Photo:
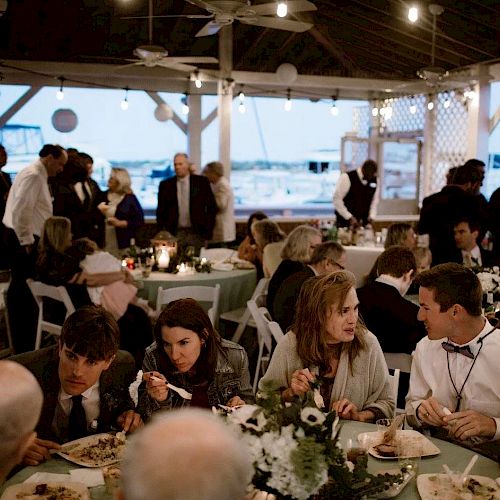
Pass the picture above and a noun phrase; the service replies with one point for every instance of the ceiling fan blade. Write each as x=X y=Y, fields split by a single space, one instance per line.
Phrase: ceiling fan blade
x=269 y=9
x=193 y=59
x=277 y=23
x=188 y=16
x=210 y=28
x=204 y=5
x=123 y=66
x=166 y=63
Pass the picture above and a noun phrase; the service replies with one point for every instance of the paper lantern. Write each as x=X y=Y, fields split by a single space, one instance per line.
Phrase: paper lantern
x=163 y=112
x=64 y=120
x=286 y=73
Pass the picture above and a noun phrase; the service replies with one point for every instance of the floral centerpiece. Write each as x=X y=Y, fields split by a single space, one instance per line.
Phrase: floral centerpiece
x=490 y=283
x=296 y=452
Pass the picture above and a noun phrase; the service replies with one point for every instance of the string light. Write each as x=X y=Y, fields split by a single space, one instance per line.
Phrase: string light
x=60 y=92
x=447 y=101
x=185 y=103
x=197 y=82
x=413 y=14
x=413 y=106
x=334 y=110
x=288 y=102
x=375 y=110
x=241 y=97
x=388 y=111
x=282 y=9
x=430 y=104
x=124 y=103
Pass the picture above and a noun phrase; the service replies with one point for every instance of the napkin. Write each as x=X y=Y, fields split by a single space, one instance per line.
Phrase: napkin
x=89 y=477
x=48 y=477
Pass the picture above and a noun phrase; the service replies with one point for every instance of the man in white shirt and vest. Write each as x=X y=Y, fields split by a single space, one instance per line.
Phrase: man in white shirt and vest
x=354 y=198
x=454 y=381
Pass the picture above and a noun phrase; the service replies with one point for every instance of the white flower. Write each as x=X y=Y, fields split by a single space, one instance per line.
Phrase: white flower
x=489 y=282
x=249 y=416
x=312 y=416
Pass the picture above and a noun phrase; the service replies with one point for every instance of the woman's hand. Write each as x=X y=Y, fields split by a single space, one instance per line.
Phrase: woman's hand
x=235 y=401
x=103 y=207
x=156 y=385
x=345 y=409
x=113 y=221
x=299 y=384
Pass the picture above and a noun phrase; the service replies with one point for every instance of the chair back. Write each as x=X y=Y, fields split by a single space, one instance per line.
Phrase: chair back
x=210 y=294
x=399 y=360
x=217 y=254
x=259 y=295
x=394 y=380
x=59 y=293
x=267 y=330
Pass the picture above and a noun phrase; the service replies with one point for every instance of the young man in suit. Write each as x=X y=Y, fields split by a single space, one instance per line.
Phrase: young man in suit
x=469 y=253
x=186 y=206
x=85 y=382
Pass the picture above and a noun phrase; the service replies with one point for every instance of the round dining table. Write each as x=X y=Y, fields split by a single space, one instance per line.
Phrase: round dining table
x=236 y=286
x=456 y=457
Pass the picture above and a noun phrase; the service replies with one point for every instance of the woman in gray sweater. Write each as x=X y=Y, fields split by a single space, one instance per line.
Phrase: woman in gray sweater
x=328 y=341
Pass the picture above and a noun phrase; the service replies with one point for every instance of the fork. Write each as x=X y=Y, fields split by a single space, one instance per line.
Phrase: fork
x=182 y=392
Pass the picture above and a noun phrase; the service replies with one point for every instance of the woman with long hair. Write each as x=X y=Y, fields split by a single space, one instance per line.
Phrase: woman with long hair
x=328 y=342
x=190 y=354
x=123 y=212
x=269 y=240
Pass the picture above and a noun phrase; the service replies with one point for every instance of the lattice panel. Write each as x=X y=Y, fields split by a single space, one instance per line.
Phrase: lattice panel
x=402 y=118
x=361 y=121
x=450 y=137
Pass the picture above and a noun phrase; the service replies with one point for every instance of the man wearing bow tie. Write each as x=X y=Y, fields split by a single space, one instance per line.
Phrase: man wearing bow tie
x=454 y=381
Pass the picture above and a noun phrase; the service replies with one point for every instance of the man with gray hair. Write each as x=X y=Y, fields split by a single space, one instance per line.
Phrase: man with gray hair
x=187 y=454
x=21 y=401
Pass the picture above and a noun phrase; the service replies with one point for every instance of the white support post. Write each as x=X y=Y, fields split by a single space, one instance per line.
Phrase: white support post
x=479 y=119
x=194 y=130
x=225 y=94
x=428 y=156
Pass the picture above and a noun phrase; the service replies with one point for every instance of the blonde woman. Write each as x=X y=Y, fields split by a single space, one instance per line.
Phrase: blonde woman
x=328 y=341
x=295 y=254
x=269 y=240
x=123 y=212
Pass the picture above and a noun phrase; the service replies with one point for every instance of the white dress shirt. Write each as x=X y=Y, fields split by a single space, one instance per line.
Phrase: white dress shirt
x=475 y=253
x=225 y=227
x=29 y=203
x=430 y=377
x=341 y=190
x=90 y=403
x=183 y=195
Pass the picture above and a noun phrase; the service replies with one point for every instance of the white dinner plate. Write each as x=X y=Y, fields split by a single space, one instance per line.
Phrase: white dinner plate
x=77 y=491
x=433 y=486
x=71 y=451
x=412 y=440
x=397 y=488
x=222 y=266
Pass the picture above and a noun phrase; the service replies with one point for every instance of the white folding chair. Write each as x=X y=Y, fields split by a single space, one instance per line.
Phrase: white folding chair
x=394 y=380
x=217 y=254
x=4 y=286
x=398 y=361
x=267 y=330
x=210 y=294
x=242 y=315
x=59 y=293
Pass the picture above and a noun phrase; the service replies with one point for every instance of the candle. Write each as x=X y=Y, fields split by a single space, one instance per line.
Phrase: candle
x=163 y=259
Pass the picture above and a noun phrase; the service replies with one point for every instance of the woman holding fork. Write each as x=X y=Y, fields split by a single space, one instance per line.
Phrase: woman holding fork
x=189 y=354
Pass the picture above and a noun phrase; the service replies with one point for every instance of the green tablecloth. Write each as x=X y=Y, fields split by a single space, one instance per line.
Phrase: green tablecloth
x=236 y=287
x=455 y=456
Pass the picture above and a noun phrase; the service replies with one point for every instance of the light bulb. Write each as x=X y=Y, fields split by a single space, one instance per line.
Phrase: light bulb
x=430 y=105
x=241 y=108
x=185 y=109
x=413 y=109
x=447 y=103
x=413 y=14
x=124 y=105
x=59 y=95
x=375 y=111
x=382 y=111
x=334 y=110
x=388 y=113
x=288 y=105
x=198 y=83
x=241 y=96
x=282 y=9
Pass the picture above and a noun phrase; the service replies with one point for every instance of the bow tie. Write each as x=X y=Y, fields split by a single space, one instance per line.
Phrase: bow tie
x=465 y=350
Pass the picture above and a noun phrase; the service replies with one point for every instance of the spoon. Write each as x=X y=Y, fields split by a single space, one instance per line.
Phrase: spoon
x=182 y=392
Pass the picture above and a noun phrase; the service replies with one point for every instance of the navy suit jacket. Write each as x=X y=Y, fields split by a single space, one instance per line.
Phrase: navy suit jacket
x=128 y=209
x=202 y=206
x=113 y=388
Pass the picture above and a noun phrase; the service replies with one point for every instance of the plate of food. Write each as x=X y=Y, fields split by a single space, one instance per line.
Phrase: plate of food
x=442 y=486
x=97 y=450
x=404 y=444
x=396 y=488
x=48 y=491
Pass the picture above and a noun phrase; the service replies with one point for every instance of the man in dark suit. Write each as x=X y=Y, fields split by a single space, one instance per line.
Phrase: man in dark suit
x=385 y=311
x=469 y=253
x=440 y=211
x=85 y=382
x=186 y=205
x=326 y=258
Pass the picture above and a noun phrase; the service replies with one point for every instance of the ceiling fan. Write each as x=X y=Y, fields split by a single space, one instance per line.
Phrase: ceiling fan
x=151 y=55
x=224 y=12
